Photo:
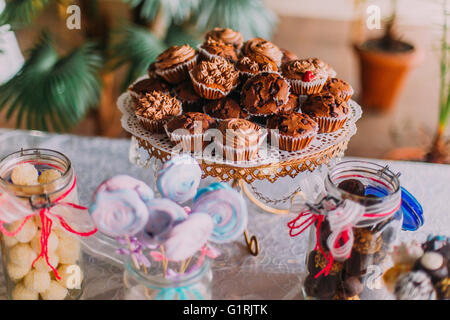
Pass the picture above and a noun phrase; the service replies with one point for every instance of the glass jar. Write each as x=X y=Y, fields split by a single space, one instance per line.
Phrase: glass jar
x=358 y=275
x=27 y=276
x=152 y=285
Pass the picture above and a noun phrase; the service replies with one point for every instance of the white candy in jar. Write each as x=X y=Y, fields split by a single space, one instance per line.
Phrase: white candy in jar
x=20 y=292
x=68 y=249
x=9 y=241
x=25 y=174
x=48 y=176
x=37 y=281
x=54 y=292
x=28 y=231
x=22 y=255
x=41 y=263
x=52 y=243
x=16 y=272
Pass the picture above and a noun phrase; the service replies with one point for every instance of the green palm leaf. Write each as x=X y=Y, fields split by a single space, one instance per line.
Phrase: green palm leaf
x=175 y=11
x=52 y=91
x=178 y=35
x=19 y=13
x=250 y=17
x=135 y=47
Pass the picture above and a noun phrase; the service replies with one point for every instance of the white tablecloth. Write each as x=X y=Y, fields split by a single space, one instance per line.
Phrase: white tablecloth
x=275 y=273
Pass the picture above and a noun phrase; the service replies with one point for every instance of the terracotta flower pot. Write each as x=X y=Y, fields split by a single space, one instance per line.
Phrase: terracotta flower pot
x=383 y=74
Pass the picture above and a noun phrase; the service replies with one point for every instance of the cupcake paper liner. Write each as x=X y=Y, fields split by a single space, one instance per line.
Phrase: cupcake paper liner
x=178 y=73
x=207 y=92
x=154 y=126
x=307 y=88
x=290 y=144
x=233 y=154
x=347 y=96
x=207 y=55
x=240 y=154
x=188 y=141
x=327 y=125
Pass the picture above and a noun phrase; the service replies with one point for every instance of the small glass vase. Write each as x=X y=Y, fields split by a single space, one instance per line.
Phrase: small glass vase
x=152 y=285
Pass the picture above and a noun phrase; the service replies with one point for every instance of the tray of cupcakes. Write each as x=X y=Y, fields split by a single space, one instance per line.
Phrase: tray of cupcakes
x=240 y=103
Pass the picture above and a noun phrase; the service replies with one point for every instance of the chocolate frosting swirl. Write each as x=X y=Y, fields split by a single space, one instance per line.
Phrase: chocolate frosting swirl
x=217 y=73
x=174 y=56
x=295 y=69
x=262 y=51
x=220 y=48
x=245 y=64
x=157 y=106
x=239 y=133
x=226 y=35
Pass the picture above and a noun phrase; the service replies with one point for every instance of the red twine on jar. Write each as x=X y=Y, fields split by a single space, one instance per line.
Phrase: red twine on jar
x=45 y=214
x=341 y=219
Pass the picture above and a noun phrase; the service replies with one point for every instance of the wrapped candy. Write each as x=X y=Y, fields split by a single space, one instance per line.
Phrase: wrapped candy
x=420 y=272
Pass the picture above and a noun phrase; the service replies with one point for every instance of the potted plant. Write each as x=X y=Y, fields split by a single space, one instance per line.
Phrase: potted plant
x=436 y=149
x=384 y=65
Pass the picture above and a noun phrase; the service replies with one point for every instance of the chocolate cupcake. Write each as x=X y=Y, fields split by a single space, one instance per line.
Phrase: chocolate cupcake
x=155 y=109
x=225 y=108
x=293 y=131
x=306 y=76
x=265 y=94
x=142 y=87
x=287 y=56
x=263 y=52
x=174 y=63
x=338 y=88
x=189 y=130
x=293 y=104
x=226 y=35
x=248 y=68
x=190 y=100
x=329 y=69
x=241 y=139
x=211 y=49
x=329 y=112
x=214 y=79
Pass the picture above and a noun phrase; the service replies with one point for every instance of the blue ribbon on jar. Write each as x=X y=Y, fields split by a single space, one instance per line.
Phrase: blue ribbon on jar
x=182 y=292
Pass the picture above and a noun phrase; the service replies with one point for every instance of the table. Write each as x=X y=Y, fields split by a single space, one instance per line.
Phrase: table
x=276 y=272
